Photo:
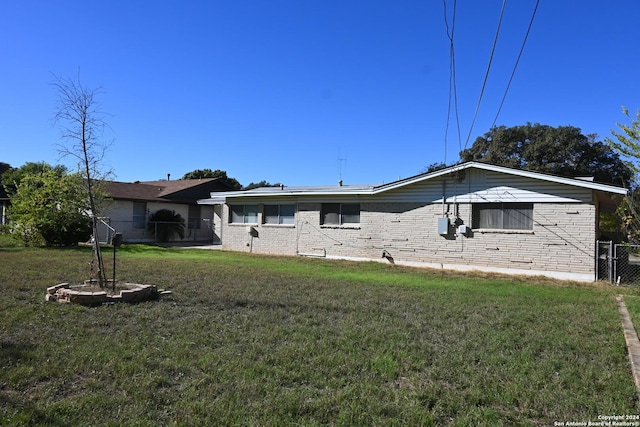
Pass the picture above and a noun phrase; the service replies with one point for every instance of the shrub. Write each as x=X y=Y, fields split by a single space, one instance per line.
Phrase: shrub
x=165 y=223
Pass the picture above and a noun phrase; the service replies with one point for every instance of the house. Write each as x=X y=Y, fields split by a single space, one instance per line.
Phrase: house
x=132 y=203
x=472 y=216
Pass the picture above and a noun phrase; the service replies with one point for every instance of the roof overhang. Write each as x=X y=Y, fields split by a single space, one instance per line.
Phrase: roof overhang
x=368 y=190
x=582 y=183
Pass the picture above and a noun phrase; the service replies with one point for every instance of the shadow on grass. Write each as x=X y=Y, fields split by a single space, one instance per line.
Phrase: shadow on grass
x=12 y=353
x=143 y=249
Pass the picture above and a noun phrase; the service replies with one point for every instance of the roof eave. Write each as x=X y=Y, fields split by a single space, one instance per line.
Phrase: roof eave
x=222 y=197
x=502 y=169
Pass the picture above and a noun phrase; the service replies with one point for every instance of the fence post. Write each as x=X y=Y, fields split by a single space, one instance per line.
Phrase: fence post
x=611 y=262
x=597 y=260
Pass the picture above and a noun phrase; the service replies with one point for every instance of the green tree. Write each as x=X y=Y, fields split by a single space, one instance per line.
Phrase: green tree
x=208 y=173
x=628 y=214
x=626 y=141
x=166 y=223
x=4 y=167
x=50 y=207
x=436 y=166
x=11 y=178
x=562 y=151
x=260 y=184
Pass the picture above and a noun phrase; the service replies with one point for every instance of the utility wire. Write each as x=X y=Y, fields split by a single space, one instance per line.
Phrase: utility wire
x=486 y=76
x=453 y=88
x=516 y=64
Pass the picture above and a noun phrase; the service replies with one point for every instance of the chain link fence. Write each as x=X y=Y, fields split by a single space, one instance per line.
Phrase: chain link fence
x=618 y=263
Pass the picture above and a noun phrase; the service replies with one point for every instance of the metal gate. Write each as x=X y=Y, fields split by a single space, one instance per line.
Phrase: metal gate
x=618 y=263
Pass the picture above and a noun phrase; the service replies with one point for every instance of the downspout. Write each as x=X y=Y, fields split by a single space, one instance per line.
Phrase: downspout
x=298 y=226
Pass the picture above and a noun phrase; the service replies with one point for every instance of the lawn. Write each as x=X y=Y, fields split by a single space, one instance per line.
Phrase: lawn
x=271 y=341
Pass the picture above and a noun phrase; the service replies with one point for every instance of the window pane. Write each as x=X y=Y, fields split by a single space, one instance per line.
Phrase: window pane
x=251 y=214
x=330 y=213
x=271 y=214
x=194 y=218
x=490 y=216
x=518 y=216
x=351 y=213
x=237 y=213
x=287 y=214
x=139 y=215
x=503 y=216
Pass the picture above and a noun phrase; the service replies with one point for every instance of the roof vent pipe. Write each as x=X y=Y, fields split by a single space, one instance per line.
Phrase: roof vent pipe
x=168 y=177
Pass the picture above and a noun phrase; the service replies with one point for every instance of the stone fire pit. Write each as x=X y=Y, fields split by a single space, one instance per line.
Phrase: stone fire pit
x=134 y=293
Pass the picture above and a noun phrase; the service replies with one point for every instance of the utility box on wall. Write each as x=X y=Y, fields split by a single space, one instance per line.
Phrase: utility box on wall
x=443 y=226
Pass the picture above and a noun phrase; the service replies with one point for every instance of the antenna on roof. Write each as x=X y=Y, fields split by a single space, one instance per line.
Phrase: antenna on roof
x=340 y=168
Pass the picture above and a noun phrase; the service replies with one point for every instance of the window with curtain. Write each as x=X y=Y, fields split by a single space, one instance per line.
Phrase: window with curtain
x=279 y=214
x=340 y=213
x=503 y=216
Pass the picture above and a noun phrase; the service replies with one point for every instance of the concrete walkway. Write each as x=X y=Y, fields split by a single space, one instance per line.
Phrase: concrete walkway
x=633 y=344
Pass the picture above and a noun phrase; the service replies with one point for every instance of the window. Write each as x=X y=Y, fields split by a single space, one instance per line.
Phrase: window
x=279 y=214
x=139 y=215
x=244 y=214
x=503 y=216
x=340 y=213
x=194 y=218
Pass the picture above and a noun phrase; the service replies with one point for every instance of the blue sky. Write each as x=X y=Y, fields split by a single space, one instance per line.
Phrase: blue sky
x=305 y=92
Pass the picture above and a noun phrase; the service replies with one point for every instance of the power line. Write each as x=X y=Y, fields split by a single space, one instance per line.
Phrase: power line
x=516 y=64
x=486 y=76
x=453 y=89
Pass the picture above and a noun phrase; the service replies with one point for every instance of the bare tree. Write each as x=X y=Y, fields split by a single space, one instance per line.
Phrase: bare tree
x=82 y=125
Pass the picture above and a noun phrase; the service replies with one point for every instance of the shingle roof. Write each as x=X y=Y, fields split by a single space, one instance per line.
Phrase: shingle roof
x=181 y=191
x=132 y=191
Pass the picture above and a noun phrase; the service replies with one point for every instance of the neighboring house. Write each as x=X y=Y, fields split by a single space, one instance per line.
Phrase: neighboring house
x=132 y=203
x=472 y=216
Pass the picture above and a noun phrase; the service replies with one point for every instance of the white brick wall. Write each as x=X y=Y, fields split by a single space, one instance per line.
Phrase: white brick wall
x=562 y=240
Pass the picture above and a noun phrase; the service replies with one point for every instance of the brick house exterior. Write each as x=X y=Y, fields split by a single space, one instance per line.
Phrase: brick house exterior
x=472 y=216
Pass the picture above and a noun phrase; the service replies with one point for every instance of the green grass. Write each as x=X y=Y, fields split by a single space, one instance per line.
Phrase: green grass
x=272 y=341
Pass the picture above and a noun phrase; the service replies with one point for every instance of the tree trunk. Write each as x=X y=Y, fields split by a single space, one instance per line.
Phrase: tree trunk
x=101 y=276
